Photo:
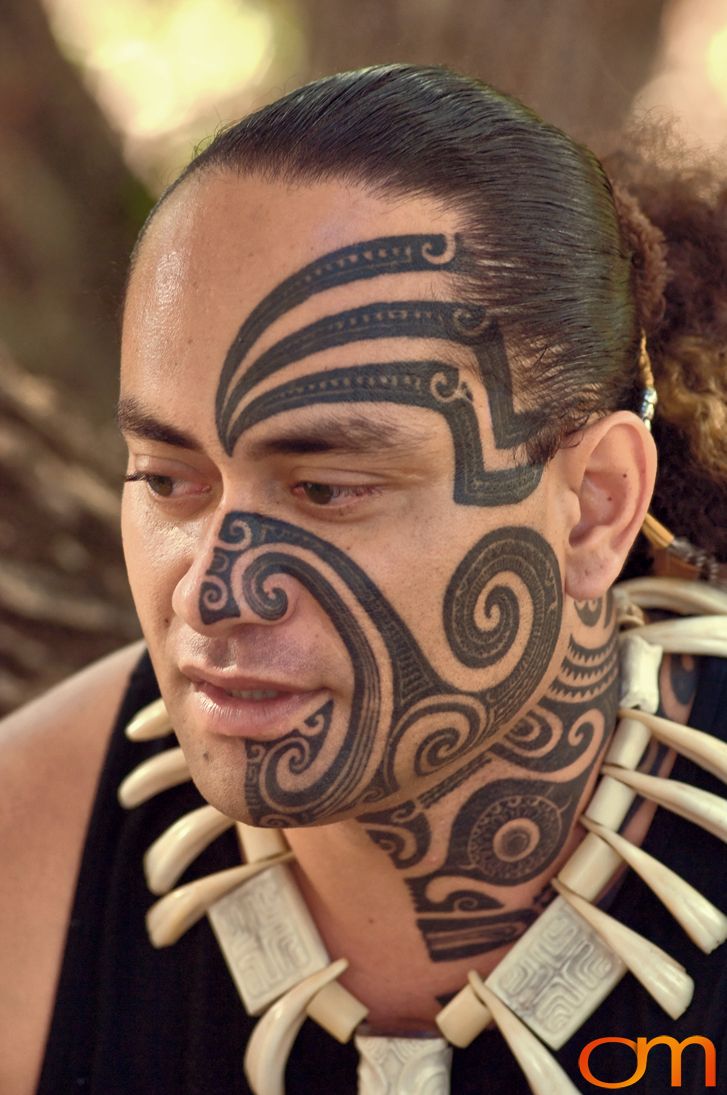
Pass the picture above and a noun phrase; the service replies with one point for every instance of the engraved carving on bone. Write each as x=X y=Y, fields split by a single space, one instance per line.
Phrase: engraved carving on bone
x=267 y=937
x=557 y=974
x=403 y=1066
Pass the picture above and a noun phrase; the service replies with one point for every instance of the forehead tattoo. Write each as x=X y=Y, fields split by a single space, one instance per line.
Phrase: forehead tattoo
x=430 y=384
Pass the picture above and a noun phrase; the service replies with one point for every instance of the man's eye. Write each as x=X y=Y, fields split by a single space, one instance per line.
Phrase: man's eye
x=323 y=494
x=163 y=486
x=318 y=493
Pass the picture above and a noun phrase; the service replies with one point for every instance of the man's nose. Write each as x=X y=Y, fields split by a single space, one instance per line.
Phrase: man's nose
x=223 y=589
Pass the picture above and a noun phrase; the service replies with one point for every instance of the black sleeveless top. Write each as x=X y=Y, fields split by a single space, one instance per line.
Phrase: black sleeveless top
x=130 y=1020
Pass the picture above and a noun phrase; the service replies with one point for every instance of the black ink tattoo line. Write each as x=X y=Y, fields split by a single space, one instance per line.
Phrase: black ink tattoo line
x=430 y=384
x=510 y=830
x=506 y=831
x=453 y=322
x=426 y=384
x=357 y=262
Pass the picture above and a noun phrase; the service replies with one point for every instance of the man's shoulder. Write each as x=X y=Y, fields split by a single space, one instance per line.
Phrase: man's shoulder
x=63 y=732
x=51 y=753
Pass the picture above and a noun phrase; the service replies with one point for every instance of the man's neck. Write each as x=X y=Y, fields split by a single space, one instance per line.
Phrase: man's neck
x=416 y=895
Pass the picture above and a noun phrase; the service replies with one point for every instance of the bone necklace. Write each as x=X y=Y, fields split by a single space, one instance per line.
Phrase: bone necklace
x=283 y=972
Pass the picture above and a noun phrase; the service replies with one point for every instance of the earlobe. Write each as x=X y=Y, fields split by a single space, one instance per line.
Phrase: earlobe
x=611 y=470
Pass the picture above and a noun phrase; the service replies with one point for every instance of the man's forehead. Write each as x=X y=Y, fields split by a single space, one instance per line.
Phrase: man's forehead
x=222 y=244
x=261 y=332
x=258 y=231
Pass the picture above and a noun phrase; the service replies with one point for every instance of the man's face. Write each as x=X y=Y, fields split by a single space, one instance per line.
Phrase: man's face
x=348 y=581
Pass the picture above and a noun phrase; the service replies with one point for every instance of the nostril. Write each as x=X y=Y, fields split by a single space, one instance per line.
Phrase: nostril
x=216 y=599
x=199 y=590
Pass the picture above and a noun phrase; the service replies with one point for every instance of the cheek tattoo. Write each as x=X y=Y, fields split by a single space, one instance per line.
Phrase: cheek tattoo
x=407 y=723
x=432 y=722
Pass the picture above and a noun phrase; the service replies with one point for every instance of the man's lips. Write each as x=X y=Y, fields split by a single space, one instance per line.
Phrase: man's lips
x=233 y=682
x=249 y=707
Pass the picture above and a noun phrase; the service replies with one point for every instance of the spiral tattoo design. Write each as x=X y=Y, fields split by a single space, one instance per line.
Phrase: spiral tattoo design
x=433 y=724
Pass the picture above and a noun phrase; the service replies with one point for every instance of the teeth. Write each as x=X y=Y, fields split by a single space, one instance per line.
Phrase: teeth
x=254 y=693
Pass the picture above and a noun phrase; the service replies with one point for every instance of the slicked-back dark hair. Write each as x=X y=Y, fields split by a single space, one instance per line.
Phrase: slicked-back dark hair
x=536 y=213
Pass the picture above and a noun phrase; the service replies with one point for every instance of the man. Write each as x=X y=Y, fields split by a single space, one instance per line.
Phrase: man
x=373 y=623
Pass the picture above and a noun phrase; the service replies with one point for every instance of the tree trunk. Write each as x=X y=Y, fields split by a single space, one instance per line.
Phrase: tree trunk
x=69 y=213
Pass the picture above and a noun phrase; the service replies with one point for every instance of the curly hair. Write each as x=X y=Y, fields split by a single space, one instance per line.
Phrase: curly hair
x=672 y=204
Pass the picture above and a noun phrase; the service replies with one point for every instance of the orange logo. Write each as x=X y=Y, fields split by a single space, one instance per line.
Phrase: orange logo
x=642 y=1047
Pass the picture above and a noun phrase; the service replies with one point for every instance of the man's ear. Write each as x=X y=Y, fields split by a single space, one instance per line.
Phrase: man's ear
x=611 y=470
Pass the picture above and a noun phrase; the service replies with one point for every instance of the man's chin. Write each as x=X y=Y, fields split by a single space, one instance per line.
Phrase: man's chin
x=219 y=772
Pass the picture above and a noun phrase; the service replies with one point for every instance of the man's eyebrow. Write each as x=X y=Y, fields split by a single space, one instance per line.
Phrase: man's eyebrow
x=353 y=433
x=134 y=420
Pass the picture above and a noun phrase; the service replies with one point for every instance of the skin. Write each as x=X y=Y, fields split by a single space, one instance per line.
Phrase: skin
x=50 y=755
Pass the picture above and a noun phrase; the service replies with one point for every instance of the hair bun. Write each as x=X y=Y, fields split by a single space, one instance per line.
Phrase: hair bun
x=648 y=249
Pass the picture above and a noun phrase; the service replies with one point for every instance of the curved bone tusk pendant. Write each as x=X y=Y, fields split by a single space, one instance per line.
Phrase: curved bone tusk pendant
x=155 y=775
x=675 y=594
x=662 y=977
x=692 y=635
x=272 y=1039
x=257 y=844
x=170 y=917
x=702 y=807
x=703 y=922
x=704 y=749
x=149 y=723
x=543 y=1072
x=170 y=855
x=463 y=1018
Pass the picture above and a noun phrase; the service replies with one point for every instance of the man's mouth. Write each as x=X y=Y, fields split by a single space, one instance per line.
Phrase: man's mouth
x=248 y=707
x=253 y=693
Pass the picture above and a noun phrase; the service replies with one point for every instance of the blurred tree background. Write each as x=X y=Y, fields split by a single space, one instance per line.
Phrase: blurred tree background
x=103 y=101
